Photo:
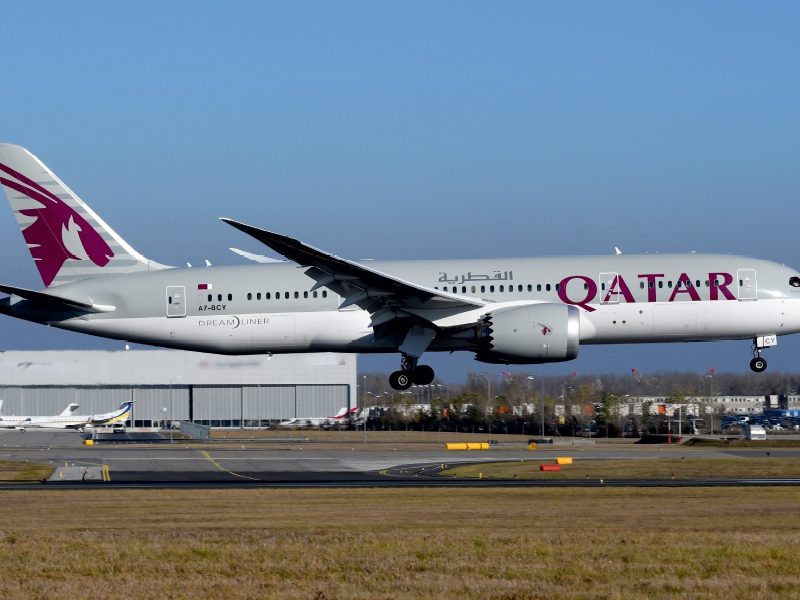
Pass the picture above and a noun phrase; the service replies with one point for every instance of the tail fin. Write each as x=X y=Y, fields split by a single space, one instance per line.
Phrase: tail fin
x=70 y=410
x=67 y=240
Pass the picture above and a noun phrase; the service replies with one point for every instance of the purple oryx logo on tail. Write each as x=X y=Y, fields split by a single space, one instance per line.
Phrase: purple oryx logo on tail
x=58 y=233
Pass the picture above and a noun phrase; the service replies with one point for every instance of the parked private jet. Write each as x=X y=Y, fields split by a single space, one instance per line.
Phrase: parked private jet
x=11 y=421
x=324 y=422
x=78 y=422
x=503 y=310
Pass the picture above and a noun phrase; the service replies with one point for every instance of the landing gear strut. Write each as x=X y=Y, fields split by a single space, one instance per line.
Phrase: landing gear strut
x=410 y=372
x=758 y=364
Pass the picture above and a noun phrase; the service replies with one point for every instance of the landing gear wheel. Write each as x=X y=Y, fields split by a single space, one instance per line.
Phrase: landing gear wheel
x=758 y=365
x=400 y=380
x=422 y=375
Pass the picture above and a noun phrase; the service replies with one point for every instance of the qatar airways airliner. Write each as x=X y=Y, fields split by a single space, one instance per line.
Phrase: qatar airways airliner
x=503 y=310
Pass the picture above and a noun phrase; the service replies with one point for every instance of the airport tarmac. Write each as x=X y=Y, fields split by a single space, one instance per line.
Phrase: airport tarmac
x=314 y=465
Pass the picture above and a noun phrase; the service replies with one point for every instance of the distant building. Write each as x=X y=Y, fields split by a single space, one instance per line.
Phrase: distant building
x=219 y=391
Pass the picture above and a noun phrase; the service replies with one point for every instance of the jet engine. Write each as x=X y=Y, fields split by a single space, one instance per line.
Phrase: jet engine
x=537 y=333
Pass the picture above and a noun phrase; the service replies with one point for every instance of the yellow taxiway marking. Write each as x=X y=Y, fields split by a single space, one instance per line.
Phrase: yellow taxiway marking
x=221 y=468
x=106 y=474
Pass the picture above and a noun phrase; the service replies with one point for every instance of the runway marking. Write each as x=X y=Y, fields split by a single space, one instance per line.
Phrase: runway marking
x=221 y=468
x=106 y=474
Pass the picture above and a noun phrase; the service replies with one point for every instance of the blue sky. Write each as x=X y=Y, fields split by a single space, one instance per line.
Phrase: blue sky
x=417 y=130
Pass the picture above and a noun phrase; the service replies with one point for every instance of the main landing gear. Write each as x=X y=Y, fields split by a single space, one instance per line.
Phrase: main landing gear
x=410 y=372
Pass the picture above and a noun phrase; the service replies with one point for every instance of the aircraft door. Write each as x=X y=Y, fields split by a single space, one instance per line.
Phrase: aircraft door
x=609 y=292
x=748 y=287
x=176 y=301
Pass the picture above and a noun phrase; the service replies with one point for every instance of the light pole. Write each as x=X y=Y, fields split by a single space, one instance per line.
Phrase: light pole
x=170 y=406
x=531 y=377
x=711 y=398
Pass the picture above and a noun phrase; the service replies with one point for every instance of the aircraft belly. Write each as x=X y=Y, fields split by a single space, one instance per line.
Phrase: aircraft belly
x=232 y=334
x=693 y=321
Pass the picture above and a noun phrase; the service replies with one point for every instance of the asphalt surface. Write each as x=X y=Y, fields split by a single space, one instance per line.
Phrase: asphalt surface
x=313 y=466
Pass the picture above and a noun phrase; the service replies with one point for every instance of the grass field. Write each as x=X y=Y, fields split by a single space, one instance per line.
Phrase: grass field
x=19 y=472
x=661 y=468
x=489 y=543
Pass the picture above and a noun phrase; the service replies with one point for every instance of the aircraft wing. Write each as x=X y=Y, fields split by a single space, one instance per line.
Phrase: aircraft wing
x=370 y=289
x=55 y=302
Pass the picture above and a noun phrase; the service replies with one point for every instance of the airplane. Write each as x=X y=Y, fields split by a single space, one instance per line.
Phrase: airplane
x=78 y=422
x=503 y=310
x=325 y=422
x=10 y=421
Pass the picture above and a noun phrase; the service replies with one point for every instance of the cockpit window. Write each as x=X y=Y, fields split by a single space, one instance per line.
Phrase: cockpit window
x=794 y=281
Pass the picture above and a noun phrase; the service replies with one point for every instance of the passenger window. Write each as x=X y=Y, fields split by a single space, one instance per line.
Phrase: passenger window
x=249 y=296
x=219 y=297
x=463 y=289
x=483 y=289
x=707 y=283
x=315 y=294
x=277 y=295
x=230 y=297
x=547 y=287
x=697 y=283
x=473 y=289
x=530 y=287
x=286 y=295
x=444 y=289
x=324 y=294
x=258 y=296
x=651 y=285
x=519 y=288
x=716 y=283
x=296 y=295
x=305 y=294
x=660 y=284
x=558 y=286
x=538 y=287
x=491 y=288
x=679 y=284
x=267 y=295
x=210 y=298
x=501 y=288
x=586 y=286
x=669 y=284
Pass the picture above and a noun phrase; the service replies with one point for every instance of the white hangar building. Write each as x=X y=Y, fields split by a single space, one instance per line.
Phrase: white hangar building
x=208 y=389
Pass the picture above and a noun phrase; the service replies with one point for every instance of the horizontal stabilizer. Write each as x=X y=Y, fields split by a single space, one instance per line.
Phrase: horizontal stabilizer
x=56 y=302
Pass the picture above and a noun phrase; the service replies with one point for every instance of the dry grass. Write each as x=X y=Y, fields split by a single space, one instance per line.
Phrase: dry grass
x=660 y=468
x=417 y=543
x=19 y=472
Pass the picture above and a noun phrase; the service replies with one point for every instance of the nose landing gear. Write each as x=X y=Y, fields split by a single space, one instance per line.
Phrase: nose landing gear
x=410 y=372
x=758 y=364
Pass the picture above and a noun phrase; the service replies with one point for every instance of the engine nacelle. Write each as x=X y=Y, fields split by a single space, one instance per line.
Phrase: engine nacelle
x=537 y=333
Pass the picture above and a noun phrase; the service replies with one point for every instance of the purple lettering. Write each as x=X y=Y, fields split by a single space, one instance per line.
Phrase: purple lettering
x=686 y=288
x=623 y=289
x=651 y=285
x=727 y=280
x=591 y=292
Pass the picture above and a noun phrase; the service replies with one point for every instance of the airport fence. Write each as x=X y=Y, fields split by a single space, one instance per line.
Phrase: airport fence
x=194 y=431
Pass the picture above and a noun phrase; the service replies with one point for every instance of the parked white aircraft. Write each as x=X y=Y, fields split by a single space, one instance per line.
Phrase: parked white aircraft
x=78 y=422
x=11 y=421
x=504 y=310
x=324 y=422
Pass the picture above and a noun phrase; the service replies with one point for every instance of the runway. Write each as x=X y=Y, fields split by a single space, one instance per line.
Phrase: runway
x=315 y=466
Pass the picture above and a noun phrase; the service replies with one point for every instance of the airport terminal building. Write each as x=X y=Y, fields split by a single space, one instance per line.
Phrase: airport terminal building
x=208 y=389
